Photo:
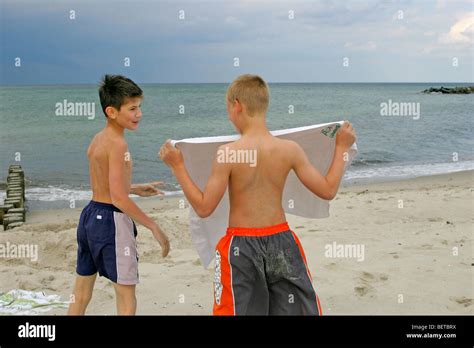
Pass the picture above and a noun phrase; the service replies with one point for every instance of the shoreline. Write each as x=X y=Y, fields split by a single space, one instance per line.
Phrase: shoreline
x=36 y=216
x=43 y=205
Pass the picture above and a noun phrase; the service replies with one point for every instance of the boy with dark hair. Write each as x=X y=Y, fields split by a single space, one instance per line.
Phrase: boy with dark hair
x=106 y=233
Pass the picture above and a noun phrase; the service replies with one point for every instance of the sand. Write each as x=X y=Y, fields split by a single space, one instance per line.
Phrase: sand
x=417 y=258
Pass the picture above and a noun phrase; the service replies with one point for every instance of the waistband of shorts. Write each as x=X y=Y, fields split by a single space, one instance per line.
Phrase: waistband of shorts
x=106 y=206
x=258 y=231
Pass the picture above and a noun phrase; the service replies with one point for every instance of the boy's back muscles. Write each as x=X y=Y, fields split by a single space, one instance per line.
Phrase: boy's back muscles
x=256 y=187
x=98 y=154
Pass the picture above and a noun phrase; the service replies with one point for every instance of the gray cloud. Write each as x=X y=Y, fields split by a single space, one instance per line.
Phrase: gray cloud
x=201 y=48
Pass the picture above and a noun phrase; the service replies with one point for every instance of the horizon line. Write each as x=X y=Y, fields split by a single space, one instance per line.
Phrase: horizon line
x=218 y=83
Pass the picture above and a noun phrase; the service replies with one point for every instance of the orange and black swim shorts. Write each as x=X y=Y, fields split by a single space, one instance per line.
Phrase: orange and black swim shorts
x=263 y=271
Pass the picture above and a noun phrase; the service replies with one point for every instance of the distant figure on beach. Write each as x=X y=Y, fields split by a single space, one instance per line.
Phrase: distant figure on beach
x=260 y=264
x=106 y=234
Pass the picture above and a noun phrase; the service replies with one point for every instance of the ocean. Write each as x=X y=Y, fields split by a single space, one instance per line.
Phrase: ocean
x=401 y=132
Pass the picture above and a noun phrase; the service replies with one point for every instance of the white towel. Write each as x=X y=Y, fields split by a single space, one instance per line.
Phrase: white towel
x=318 y=142
x=24 y=302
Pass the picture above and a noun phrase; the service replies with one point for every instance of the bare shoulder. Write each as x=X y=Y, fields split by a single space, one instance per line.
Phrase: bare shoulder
x=229 y=147
x=232 y=145
x=117 y=144
x=223 y=152
x=93 y=144
x=290 y=147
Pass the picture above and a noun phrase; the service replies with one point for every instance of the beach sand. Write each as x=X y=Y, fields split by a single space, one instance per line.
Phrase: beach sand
x=417 y=259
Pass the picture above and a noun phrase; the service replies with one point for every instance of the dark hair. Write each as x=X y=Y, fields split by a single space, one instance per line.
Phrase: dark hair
x=115 y=88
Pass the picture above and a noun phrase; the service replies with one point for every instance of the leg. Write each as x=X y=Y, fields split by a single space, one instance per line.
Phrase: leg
x=242 y=272
x=293 y=297
x=290 y=286
x=248 y=276
x=223 y=292
x=126 y=300
x=82 y=294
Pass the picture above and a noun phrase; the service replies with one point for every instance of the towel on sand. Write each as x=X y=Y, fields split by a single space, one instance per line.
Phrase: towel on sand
x=23 y=302
x=318 y=142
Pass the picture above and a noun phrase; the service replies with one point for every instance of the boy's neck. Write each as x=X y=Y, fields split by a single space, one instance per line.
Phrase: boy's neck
x=113 y=128
x=255 y=126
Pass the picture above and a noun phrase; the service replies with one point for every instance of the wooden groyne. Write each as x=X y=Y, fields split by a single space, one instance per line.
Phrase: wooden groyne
x=13 y=211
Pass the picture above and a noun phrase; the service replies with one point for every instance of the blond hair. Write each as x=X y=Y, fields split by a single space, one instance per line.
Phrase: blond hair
x=251 y=91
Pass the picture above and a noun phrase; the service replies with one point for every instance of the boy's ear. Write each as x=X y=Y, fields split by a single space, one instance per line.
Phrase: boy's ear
x=238 y=107
x=111 y=112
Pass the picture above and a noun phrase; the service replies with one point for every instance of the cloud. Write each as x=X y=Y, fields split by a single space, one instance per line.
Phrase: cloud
x=441 y=4
x=233 y=21
x=201 y=47
x=365 y=46
x=399 y=32
x=461 y=32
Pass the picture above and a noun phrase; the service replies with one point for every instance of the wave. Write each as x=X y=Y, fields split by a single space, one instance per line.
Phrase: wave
x=54 y=194
x=407 y=170
x=380 y=171
x=368 y=162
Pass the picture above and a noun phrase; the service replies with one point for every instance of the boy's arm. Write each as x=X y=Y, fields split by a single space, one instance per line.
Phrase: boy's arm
x=325 y=187
x=203 y=203
x=119 y=195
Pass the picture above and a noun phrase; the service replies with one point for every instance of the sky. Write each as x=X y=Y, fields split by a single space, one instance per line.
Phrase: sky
x=76 y=42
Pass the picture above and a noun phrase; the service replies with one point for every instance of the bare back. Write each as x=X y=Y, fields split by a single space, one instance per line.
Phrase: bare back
x=98 y=155
x=255 y=192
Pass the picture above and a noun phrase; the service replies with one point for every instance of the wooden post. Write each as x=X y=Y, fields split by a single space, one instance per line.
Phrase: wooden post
x=14 y=166
x=3 y=210
x=17 y=202
x=12 y=212
x=11 y=218
x=21 y=211
x=14 y=224
x=13 y=194
x=15 y=188
x=16 y=172
x=15 y=177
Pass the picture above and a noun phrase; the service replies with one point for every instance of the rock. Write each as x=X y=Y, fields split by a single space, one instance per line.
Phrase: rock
x=454 y=90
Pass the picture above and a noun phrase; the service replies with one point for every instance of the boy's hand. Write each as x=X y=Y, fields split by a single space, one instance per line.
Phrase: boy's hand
x=346 y=136
x=146 y=190
x=161 y=237
x=171 y=155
